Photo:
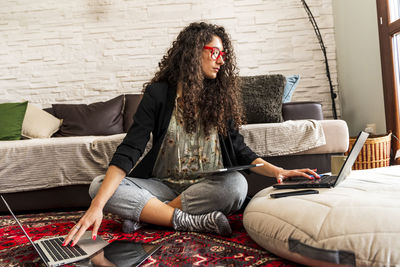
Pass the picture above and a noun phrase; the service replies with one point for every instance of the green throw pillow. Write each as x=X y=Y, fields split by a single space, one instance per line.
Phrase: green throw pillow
x=11 y=118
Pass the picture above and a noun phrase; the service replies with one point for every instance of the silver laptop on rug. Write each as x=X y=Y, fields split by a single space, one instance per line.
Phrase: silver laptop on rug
x=53 y=253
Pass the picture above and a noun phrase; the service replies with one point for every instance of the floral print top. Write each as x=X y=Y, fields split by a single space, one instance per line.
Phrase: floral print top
x=183 y=156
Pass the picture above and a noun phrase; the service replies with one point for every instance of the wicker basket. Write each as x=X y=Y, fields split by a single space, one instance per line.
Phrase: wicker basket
x=375 y=152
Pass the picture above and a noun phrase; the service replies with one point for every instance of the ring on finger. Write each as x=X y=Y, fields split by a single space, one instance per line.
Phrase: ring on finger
x=77 y=227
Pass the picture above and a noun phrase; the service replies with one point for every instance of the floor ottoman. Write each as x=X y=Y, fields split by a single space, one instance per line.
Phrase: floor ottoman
x=357 y=223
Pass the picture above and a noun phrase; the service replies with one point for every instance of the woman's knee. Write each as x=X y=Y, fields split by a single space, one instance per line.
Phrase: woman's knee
x=95 y=185
x=230 y=193
x=234 y=190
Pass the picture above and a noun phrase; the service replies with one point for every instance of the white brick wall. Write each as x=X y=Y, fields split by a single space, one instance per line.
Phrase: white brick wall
x=84 y=51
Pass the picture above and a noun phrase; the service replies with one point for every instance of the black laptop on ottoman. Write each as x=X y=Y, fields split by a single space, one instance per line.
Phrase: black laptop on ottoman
x=327 y=181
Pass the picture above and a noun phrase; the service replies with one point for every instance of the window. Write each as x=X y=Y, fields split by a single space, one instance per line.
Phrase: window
x=389 y=40
x=394 y=8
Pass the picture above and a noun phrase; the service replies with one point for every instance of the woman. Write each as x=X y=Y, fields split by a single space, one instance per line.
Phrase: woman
x=192 y=109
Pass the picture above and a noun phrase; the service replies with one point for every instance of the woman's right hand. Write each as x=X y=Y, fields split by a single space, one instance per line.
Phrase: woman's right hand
x=93 y=216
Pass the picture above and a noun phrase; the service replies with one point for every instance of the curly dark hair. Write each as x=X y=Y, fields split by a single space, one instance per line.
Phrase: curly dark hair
x=217 y=100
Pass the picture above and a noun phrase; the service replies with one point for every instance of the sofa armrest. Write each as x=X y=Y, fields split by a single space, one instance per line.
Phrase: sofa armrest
x=336 y=136
x=278 y=139
x=302 y=111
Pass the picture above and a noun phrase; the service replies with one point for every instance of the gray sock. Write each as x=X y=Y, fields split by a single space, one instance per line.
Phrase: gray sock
x=213 y=222
x=129 y=226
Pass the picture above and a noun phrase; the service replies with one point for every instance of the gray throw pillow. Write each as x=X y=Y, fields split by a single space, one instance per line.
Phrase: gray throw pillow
x=100 y=118
x=262 y=97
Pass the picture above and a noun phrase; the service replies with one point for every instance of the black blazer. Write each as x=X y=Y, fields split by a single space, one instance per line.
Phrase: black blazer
x=153 y=116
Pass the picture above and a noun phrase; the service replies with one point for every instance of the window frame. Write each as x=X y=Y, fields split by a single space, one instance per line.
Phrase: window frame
x=387 y=30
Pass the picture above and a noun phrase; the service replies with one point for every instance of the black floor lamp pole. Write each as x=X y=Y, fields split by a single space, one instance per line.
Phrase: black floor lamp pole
x=321 y=43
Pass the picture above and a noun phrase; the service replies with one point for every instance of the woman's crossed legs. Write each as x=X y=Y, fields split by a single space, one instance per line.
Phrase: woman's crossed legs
x=203 y=204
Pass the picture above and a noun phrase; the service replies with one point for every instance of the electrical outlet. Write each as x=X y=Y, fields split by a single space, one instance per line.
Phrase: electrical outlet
x=370 y=128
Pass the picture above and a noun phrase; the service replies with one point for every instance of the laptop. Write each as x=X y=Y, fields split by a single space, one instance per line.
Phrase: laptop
x=230 y=169
x=53 y=253
x=327 y=181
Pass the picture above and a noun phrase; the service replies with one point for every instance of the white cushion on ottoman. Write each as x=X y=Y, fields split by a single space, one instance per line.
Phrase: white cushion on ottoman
x=357 y=222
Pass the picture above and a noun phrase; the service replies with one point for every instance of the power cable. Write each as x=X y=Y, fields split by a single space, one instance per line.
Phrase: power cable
x=321 y=43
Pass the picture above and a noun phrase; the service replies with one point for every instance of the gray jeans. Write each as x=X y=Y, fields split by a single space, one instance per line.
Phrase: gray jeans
x=223 y=192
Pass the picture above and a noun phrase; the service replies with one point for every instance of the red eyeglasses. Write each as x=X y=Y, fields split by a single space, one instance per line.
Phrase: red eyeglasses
x=216 y=53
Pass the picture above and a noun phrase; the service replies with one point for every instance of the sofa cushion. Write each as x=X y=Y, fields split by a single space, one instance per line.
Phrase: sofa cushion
x=39 y=123
x=11 y=118
x=302 y=110
x=44 y=163
x=100 y=118
x=262 y=97
x=354 y=224
x=49 y=110
x=131 y=104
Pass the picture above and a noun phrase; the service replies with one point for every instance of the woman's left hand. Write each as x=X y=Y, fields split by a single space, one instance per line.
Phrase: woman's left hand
x=308 y=173
x=281 y=174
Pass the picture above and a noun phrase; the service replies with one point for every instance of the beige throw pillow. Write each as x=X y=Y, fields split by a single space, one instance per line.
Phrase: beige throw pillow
x=39 y=123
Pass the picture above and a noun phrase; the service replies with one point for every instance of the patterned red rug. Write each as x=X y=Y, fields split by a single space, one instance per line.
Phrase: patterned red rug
x=178 y=248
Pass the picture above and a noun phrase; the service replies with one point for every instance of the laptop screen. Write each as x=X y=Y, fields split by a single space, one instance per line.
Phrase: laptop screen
x=351 y=158
x=22 y=228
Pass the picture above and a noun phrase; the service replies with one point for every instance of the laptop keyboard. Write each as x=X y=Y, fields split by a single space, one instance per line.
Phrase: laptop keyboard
x=324 y=179
x=58 y=252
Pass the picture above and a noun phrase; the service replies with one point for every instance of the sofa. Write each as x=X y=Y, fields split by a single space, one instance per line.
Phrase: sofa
x=39 y=174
